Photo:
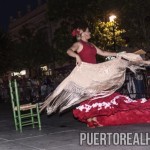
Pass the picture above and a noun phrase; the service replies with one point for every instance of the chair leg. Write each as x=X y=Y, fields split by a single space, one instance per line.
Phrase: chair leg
x=38 y=116
x=15 y=120
x=32 y=117
x=19 y=121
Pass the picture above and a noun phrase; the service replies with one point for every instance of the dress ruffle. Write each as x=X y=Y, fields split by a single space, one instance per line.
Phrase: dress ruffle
x=115 y=109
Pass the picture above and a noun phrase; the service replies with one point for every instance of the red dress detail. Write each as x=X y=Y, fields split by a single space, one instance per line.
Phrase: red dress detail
x=88 y=53
x=115 y=109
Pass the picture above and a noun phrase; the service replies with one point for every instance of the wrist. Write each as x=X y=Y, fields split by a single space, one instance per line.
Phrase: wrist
x=76 y=56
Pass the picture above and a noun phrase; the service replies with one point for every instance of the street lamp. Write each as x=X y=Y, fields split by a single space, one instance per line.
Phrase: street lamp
x=112 y=19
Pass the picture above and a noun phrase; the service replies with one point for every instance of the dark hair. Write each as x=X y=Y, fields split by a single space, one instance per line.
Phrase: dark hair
x=81 y=25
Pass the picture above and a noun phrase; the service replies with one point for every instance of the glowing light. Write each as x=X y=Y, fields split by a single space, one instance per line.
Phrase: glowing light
x=112 y=18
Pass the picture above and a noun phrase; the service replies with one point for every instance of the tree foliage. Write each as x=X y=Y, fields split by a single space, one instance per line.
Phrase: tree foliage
x=106 y=33
x=69 y=11
x=136 y=20
x=6 y=50
x=133 y=16
x=31 y=48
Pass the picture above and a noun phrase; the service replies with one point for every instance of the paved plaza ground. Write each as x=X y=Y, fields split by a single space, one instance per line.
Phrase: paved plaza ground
x=62 y=132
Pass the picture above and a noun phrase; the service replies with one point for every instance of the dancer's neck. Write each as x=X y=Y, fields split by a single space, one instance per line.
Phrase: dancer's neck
x=85 y=40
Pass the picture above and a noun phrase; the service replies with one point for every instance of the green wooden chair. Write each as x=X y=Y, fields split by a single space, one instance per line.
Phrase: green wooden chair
x=26 y=114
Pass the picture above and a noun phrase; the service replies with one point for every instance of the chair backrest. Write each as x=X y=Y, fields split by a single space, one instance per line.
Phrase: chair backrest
x=14 y=94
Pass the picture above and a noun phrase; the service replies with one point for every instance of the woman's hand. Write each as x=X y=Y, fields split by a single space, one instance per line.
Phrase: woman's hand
x=120 y=53
x=78 y=60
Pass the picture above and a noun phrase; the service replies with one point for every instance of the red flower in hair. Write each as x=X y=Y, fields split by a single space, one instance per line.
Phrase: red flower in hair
x=76 y=32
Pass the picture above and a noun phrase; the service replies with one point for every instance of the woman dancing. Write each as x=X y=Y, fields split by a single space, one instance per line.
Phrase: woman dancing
x=90 y=81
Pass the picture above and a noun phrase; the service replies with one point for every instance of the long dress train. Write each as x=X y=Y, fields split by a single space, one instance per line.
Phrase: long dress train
x=115 y=109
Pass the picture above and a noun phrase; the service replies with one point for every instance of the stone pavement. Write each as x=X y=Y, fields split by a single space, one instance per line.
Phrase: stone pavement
x=61 y=132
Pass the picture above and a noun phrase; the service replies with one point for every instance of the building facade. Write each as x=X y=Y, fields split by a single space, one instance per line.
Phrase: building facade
x=36 y=18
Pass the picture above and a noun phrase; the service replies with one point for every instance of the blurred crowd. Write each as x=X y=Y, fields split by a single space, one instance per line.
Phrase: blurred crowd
x=31 y=89
x=37 y=89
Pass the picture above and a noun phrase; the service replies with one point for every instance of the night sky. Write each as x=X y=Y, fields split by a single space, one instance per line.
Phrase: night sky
x=10 y=7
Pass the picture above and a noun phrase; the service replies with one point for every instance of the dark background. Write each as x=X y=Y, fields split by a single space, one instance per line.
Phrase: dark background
x=10 y=7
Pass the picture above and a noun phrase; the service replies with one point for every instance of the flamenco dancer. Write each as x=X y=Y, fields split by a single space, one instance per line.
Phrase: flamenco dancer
x=93 y=86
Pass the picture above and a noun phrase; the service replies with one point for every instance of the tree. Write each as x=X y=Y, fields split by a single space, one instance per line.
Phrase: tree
x=104 y=34
x=71 y=10
x=62 y=41
x=31 y=48
x=6 y=50
x=68 y=12
x=136 y=20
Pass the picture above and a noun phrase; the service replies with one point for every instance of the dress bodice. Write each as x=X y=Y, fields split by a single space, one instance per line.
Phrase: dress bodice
x=88 y=53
